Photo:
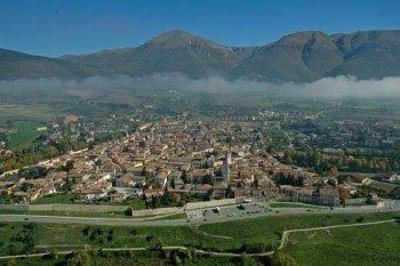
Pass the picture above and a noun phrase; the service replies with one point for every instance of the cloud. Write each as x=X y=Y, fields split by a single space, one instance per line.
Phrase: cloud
x=340 y=87
x=346 y=87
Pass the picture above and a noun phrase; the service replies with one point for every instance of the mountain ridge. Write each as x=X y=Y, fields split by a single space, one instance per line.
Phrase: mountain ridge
x=299 y=57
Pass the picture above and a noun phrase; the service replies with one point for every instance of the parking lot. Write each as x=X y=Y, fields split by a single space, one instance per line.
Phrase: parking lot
x=231 y=211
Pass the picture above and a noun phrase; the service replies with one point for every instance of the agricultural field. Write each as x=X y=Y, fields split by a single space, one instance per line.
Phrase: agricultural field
x=22 y=120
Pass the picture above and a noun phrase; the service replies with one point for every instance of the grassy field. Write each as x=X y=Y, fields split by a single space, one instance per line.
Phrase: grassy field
x=24 y=119
x=19 y=111
x=369 y=245
x=143 y=258
x=260 y=230
x=25 y=133
x=62 y=198
x=136 y=204
x=269 y=230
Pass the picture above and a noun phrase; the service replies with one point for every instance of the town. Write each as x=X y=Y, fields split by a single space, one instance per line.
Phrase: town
x=174 y=161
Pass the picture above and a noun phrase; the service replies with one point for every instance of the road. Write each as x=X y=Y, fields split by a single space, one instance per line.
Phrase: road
x=199 y=217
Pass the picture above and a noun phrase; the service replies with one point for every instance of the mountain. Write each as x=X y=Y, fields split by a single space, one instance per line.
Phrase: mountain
x=372 y=54
x=298 y=57
x=14 y=65
x=307 y=56
x=174 y=51
x=301 y=56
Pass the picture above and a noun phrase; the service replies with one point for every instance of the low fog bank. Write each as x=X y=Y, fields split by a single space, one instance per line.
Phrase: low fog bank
x=326 y=88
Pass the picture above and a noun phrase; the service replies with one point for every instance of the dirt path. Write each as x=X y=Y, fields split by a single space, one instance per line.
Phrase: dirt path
x=196 y=229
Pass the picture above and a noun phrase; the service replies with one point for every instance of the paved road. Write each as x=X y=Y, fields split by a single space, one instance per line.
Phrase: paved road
x=227 y=213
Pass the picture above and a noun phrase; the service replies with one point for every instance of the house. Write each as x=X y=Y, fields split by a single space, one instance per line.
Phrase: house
x=126 y=180
x=385 y=189
x=219 y=190
x=328 y=196
x=386 y=177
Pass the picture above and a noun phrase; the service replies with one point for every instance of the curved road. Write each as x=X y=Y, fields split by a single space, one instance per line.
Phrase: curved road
x=215 y=218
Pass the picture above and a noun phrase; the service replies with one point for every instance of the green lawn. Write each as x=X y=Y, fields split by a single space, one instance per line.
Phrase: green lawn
x=136 y=204
x=366 y=245
x=62 y=198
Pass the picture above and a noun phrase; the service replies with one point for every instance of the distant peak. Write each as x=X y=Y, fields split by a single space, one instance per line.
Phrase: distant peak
x=173 y=34
x=179 y=37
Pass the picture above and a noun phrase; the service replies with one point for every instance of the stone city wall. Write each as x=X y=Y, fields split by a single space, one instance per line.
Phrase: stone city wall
x=154 y=212
x=210 y=204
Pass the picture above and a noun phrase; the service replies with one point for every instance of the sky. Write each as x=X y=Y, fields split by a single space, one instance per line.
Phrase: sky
x=54 y=28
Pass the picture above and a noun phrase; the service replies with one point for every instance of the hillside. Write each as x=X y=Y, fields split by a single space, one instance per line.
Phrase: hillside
x=299 y=57
x=14 y=65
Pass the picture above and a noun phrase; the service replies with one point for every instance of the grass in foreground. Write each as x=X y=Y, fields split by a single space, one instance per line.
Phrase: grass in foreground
x=268 y=230
x=366 y=245
x=18 y=238
x=142 y=258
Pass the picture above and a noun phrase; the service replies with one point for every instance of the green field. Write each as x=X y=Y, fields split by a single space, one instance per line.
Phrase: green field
x=136 y=204
x=61 y=198
x=25 y=133
x=266 y=230
x=23 y=119
x=142 y=258
x=347 y=246
x=366 y=245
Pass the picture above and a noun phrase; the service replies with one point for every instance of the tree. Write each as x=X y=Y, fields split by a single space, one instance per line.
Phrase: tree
x=229 y=193
x=279 y=258
x=343 y=195
x=208 y=179
x=248 y=261
x=172 y=183
x=156 y=245
x=333 y=172
x=11 y=262
x=78 y=258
